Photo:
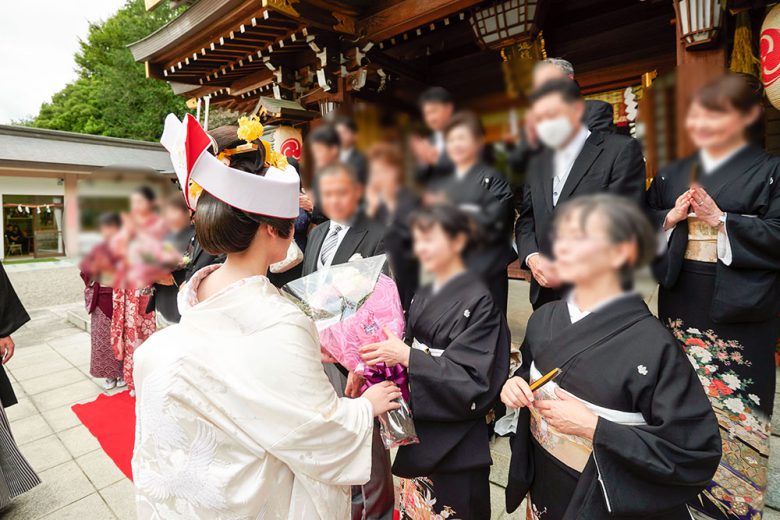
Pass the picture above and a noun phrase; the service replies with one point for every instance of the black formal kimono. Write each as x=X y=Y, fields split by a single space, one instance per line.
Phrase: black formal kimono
x=607 y=163
x=457 y=366
x=398 y=243
x=12 y=317
x=485 y=195
x=656 y=444
x=16 y=474
x=723 y=311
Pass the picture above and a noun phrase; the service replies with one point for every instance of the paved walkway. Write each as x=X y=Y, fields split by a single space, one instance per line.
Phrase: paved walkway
x=50 y=372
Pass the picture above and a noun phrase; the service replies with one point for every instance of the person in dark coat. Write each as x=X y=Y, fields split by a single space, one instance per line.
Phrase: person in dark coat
x=350 y=233
x=389 y=202
x=456 y=348
x=433 y=163
x=16 y=474
x=719 y=277
x=347 y=129
x=574 y=161
x=485 y=195
x=598 y=116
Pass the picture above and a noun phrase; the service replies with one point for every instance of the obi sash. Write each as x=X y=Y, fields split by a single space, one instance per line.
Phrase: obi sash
x=435 y=352
x=569 y=449
x=702 y=241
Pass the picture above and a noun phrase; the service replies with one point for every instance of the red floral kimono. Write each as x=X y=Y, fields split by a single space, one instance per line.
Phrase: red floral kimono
x=131 y=325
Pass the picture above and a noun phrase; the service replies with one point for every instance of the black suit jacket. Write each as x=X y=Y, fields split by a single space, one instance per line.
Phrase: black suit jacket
x=357 y=161
x=364 y=237
x=607 y=163
x=432 y=173
x=598 y=117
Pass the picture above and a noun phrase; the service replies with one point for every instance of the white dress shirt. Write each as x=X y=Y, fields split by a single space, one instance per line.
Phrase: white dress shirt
x=345 y=153
x=438 y=141
x=339 y=239
x=563 y=160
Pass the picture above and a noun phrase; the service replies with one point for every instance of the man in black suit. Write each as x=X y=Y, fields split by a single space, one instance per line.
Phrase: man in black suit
x=433 y=164
x=598 y=116
x=573 y=161
x=348 y=233
x=348 y=154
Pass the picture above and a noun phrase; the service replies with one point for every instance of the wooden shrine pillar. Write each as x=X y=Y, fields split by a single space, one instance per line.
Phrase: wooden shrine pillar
x=695 y=68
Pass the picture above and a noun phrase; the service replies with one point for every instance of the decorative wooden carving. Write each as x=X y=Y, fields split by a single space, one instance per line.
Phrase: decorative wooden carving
x=283 y=6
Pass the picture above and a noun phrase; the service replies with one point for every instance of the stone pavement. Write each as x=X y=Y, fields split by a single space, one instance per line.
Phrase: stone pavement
x=50 y=372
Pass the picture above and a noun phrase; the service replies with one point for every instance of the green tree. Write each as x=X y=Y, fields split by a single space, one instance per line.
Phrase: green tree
x=112 y=95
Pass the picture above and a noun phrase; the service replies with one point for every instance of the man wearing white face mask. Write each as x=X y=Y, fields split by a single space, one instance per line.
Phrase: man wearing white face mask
x=574 y=161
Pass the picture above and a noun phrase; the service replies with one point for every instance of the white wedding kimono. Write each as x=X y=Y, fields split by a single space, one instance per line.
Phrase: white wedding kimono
x=236 y=418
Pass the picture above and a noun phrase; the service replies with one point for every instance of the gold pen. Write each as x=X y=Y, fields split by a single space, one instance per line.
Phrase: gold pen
x=549 y=376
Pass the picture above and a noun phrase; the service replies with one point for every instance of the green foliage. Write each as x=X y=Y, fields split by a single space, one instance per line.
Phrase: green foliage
x=112 y=95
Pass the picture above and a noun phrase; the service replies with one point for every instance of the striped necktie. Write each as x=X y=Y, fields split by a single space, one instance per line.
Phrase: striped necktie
x=329 y=246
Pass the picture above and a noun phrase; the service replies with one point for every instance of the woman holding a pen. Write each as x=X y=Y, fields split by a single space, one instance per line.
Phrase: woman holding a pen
x=613 y=420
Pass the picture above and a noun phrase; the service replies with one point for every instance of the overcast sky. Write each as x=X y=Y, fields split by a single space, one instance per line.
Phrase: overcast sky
x=37 y=42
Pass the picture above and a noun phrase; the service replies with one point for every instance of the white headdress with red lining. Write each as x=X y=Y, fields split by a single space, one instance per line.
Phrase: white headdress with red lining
x=274 y=195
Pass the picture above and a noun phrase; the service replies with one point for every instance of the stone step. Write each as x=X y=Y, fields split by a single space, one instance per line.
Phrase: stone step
x=78 y=318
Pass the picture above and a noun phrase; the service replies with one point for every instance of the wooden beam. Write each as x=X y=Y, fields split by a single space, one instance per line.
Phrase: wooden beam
x=407 y=15
x=251 y=82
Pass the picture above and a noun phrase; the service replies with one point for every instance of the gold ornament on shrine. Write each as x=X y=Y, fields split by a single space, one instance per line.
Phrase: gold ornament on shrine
x=518 y=64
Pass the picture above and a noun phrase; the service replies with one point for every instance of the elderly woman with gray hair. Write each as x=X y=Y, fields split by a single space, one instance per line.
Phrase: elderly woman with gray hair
x=613 y=421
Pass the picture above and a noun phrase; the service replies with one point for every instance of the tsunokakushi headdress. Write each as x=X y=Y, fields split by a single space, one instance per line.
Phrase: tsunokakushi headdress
x=274 y=194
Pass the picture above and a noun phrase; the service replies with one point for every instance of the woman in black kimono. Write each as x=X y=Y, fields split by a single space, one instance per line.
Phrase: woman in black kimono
x=16 y=474
x=458 y=361
x=720 y=282
x=389 y=202
x=624 y=430
x=481 y=191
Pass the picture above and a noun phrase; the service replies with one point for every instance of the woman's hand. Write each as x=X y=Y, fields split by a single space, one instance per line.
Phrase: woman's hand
x=354 y=384
x=6 y=349
x=569 y=415
x=325 y=356
x=682 y=206
x=516 y=393
x=382 y=397
x=704 y=206
x=391 y=352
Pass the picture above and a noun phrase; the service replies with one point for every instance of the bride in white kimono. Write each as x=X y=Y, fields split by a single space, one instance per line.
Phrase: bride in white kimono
x=235 y=416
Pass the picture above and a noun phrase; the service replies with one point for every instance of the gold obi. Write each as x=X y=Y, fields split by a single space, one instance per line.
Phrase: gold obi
x=571 y=450
x=702 y=241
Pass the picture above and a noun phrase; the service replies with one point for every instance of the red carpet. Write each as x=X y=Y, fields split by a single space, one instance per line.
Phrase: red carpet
x=111 y=419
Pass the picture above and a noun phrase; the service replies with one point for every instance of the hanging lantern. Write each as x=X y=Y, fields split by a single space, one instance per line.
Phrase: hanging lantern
x=770 y=55
x=518 y=64
x=501 y=23
x=699 y=21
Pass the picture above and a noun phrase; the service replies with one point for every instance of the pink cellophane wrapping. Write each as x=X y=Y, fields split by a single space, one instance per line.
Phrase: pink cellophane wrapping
x=382 y=309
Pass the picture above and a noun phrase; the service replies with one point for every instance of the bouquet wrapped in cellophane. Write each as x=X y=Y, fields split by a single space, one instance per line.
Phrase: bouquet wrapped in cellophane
x=350 y=304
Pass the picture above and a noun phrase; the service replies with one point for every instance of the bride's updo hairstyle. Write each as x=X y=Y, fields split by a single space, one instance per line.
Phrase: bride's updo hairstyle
x=221 y=228
x=625 y=223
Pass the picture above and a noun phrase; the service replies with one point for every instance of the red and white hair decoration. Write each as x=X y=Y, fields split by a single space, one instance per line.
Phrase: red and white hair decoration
x=274 y=195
